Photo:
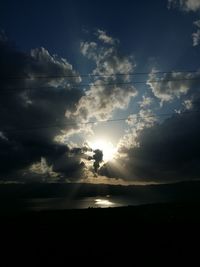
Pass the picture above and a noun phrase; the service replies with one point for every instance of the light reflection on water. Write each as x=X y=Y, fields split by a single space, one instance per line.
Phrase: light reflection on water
x=82 y=203
x=104 y=203
x=40 y=204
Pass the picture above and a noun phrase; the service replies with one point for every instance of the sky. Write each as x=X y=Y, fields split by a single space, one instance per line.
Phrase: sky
x=100 y=91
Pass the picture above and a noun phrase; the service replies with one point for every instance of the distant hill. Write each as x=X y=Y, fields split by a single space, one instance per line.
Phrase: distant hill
x=179 y=192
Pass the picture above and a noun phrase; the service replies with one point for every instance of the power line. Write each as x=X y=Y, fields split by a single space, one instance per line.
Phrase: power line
x=59 y=125
x=102 y=84
x=93 y=75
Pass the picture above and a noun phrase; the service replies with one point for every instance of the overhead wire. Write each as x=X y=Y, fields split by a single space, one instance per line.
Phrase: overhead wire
x=59 y=125
x=160 y=80
x=72 y=86
x=94 y=75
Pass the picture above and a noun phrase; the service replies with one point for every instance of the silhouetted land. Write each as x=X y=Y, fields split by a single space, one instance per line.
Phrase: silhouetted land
x=52 y=237
x=183 y=191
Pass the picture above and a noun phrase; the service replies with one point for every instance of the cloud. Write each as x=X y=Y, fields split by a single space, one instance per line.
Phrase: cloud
x=106 y=93
x=196 y=35
x=172 y=85
x=66 y=165
x=189 y=6
x=43 y=170
x=98 y=158
x=137 y=122
x=36 y=123
x=188 y=104
x=164 y=152
x=196 y=38
x=41 y=105
x=146 y=101
x=101 y=100
x=32 y=113
x=197 y=23
x=89 y=49
x=102 y=36
x=185 y=5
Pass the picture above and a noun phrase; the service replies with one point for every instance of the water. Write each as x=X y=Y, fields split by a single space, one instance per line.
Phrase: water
x=64 y=203
x=38 y=197
x=39 y=204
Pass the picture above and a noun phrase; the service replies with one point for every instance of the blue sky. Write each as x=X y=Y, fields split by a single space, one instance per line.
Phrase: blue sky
x=102 y=37
x=146 y=29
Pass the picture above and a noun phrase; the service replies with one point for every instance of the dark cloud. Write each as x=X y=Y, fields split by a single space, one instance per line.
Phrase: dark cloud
x=32 y=110
x=98 y=158
x=165 y=152
x=32 y=120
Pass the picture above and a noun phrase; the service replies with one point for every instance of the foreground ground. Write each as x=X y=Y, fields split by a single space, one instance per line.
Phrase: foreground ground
x=54 y=237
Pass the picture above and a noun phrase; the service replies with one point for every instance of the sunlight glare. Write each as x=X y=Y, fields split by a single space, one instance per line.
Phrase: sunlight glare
x=107 y=147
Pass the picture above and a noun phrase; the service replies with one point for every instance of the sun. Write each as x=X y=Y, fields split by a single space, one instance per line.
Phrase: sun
x=106 y=146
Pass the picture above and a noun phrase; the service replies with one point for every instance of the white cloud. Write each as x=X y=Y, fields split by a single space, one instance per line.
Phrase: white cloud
x=88 y=49
x=171 y=85
x=196 y=38
x=144 y=119
x=197 y=23
x=189 y=5
x=196 y=35
x=186 y=5
x=102 y=36
x=137 y=122
x=188 y=104
x=100 y=101
x=42 y=168
x=146 y=101
x=105 y=94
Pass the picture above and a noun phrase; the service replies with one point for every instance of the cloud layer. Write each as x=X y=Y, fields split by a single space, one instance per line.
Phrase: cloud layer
x=32 y=109
x=42 y=104
x=108 y=91
x=157 y=150
x=172 y=85
x=161 y=152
